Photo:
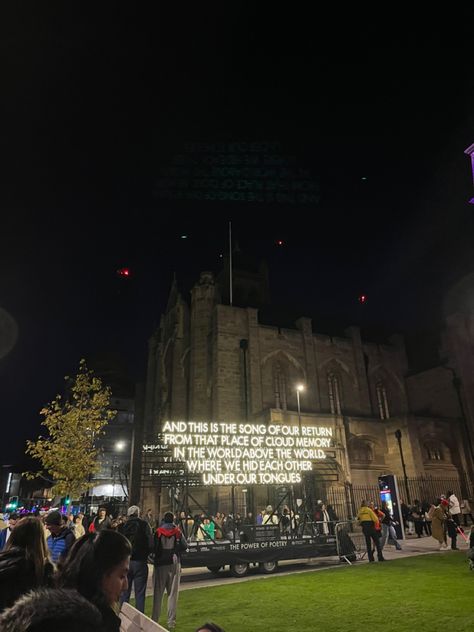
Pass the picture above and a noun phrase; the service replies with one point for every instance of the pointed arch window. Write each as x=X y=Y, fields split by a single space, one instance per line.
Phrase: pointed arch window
x=382 y=401
x=434 y=451
x=280 y=385
x=334 y=390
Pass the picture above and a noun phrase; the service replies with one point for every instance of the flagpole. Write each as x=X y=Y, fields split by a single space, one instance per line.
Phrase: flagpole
x=230 y=263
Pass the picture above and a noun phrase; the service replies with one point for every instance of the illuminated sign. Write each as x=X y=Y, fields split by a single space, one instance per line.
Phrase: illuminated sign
x=246 y=453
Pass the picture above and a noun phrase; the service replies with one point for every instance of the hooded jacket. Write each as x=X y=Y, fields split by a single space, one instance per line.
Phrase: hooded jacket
x=168 y=544
x=52 y=609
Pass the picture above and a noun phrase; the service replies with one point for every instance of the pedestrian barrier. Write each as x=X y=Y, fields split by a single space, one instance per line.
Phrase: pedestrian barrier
x=350 y=541
x=135 y=621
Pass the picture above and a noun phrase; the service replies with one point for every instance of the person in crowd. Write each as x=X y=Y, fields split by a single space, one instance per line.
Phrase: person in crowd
x=270 y=516
x=208 y=528
x=60 y=539
x=49 y=609
x=210 y=627
x=97 y=567
x=70 y=523
x=101 y=521
x=425 y=508
x=406 y=516
x=85 y=521
x=3 y=524
x=466 y=511
x=388 y=527
x=454 y=507
x=369 y=522
x=285 y=520
x=249 y=519
x=6 y=533
x=25 y=562
x=182 y=522
x=169 y=543
x=259 y=519
x=150 y=518
x=418 y=517
x=219 y=529
x=378 y=527
x=79 y=530
x=138 y=533
x=451 y=526
x=439 y=516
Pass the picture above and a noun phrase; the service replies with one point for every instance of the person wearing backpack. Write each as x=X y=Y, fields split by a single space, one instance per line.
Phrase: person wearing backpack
x=138 y=533
x=169 y=543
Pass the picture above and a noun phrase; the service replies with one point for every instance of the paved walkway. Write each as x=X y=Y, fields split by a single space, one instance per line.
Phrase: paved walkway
x=201 y=577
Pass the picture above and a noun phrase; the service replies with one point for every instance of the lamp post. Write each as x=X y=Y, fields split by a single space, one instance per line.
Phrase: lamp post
x=299 y=389
x=398 y=435
x=119 y=446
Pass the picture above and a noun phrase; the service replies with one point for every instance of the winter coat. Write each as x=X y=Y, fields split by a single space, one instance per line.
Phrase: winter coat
x=138 y=532
x=17 y=576
x=438 y=524
x=60 y=544
x=169 y=542
x=454 y=507
x=56 y=609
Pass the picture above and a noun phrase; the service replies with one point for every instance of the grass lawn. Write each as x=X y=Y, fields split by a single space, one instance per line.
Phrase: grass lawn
x=428 y=592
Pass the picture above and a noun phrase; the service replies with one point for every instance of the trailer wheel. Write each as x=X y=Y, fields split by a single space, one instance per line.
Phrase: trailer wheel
x=214 y=569
x=268 y=567
x=239 y=570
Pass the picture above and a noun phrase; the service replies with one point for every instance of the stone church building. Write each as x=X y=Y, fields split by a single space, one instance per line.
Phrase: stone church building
x=209 y=360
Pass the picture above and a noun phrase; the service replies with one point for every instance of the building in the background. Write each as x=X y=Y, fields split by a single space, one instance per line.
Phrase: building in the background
x=209 y=361
x=110 y=485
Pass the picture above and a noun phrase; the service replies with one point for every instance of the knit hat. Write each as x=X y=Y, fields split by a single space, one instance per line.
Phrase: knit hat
x=133 y=510
x=54 y=518
x=445 y=503
x=269 y=508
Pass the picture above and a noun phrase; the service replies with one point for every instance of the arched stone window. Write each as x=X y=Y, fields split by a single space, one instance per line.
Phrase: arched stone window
x=434 y=451
x=280 y=385
x=361 y=450
x=382 y=401
x=334 y=391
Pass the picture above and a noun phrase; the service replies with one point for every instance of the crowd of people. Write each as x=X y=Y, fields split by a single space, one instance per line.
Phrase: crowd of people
x=441 y=520
x=60 y=570
x=222 y=526
x=87 y=567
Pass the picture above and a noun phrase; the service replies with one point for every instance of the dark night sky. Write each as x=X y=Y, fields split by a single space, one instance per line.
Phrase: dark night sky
x=93 y=105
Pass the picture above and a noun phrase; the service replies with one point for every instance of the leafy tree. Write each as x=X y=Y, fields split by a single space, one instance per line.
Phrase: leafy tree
x=69 y=453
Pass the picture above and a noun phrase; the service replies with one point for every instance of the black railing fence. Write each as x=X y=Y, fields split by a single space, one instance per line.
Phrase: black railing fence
x=345 y=499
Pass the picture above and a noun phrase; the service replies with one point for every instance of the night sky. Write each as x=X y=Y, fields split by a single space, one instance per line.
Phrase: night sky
x=94 y=107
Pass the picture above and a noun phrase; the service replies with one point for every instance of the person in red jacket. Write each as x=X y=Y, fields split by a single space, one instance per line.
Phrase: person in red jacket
x=169 y=543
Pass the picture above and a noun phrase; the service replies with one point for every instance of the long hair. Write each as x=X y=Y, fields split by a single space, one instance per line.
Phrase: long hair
x=90 y=559
x=29 y=535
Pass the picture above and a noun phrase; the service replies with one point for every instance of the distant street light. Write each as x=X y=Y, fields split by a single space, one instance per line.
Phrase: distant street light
x=120 y=445
x=299 y=389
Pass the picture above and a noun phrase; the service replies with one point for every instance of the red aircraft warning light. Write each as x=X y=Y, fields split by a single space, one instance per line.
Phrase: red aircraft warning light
x=362 y=299
x=123 y=273
x=280 y=242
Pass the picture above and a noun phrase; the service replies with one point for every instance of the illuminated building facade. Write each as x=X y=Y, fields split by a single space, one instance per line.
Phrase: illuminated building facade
x=212 y=362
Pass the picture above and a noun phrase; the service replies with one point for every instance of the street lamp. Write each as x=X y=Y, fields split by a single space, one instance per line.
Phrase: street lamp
x=398 y=435
x=299 y=389
x=120 y=445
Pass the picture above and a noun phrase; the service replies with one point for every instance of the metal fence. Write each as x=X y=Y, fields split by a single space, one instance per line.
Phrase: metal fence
x=345 y=499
